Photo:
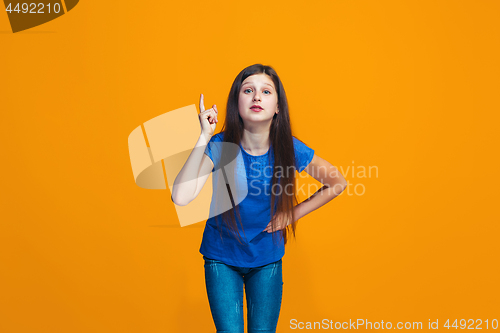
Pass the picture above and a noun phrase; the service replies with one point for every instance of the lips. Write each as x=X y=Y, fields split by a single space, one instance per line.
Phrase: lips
x=256 y=108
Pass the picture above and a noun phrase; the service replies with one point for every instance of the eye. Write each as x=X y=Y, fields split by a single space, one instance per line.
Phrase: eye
x=246 y=90
x=267 y=91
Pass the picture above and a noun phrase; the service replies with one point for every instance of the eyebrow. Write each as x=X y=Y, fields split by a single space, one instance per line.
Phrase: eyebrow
x=252 y=82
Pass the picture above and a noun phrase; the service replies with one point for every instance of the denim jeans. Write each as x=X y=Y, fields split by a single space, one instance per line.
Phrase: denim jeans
x=263 y=288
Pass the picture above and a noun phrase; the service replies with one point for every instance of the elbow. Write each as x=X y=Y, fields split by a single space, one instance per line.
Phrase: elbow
x=182 y=196
x=343 y=186
x=179 y=201
x=339 y=187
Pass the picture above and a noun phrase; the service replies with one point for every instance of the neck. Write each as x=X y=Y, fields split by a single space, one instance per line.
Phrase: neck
x=255 y=140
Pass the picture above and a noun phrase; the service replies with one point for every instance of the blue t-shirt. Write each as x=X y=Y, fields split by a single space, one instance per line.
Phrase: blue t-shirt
x=257 y=247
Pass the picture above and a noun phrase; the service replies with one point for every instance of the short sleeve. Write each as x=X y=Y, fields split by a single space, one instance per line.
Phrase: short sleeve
x=303 y=154
x=209 y=149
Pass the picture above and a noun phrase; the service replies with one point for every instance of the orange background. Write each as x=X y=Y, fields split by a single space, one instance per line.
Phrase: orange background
x=408 y=87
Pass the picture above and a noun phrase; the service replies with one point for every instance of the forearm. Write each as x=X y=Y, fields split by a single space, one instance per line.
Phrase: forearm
x=186 y=181
x=318 y=199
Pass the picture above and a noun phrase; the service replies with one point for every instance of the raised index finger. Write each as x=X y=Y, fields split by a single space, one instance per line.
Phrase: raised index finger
x=202 y=107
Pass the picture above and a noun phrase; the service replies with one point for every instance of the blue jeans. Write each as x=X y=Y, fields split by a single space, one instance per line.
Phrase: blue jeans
x=263 y=288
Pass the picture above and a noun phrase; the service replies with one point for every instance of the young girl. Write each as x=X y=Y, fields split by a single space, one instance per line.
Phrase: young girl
x=257 y=122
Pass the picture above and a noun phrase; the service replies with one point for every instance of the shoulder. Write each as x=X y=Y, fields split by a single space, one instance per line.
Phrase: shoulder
x=303 y=154
x=214 y=144
x=298 y=145
x=219 y=137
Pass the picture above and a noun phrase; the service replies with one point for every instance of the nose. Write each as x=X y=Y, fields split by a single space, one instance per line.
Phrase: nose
x=256 y=97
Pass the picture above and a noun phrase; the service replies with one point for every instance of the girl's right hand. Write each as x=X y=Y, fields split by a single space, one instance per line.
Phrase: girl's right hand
x=208 y=119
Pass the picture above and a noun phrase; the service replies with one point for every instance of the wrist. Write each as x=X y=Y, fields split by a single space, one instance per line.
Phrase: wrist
x=204 y=138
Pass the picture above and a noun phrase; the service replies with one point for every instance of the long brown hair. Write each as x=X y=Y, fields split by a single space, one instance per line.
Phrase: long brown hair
x=281 y=140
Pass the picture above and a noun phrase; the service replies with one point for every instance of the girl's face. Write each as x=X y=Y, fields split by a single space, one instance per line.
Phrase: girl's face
x=258 y=90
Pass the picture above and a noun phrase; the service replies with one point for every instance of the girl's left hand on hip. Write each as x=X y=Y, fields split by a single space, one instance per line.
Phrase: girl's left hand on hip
x=283 y=222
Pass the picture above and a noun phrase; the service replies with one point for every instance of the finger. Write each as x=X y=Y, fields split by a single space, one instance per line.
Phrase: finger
x=202 y=107
x=210 y=113
x=212 y=116
x=216 y=113
x=210 y=120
